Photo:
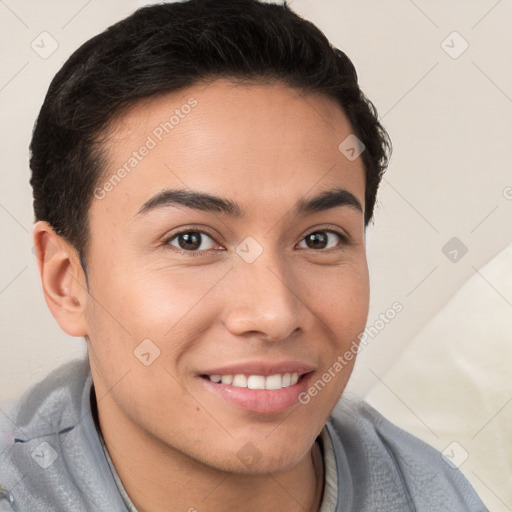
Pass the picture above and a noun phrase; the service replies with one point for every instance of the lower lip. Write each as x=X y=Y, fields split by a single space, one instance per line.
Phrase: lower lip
x=262 y=401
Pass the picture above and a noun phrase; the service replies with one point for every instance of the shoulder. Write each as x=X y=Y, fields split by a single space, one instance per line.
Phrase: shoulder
x=54 y=402
x=390 y=463
x=51 y=457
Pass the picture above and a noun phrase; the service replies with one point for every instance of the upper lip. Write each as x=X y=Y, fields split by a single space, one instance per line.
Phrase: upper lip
x=264 y=368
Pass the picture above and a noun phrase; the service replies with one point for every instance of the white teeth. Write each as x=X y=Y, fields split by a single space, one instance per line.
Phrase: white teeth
x=227 y=379
x=256 y=382
x=276 y=381
x=240 y=381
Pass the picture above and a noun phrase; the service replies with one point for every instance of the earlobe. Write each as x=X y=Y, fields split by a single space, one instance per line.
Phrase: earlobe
x=62 y=278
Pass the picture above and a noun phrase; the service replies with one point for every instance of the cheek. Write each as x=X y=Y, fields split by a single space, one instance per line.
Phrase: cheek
x=340 y=299
x=152 y=301
x=134 y=311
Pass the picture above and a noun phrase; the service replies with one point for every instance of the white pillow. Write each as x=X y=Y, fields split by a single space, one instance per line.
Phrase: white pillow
x=452 y=386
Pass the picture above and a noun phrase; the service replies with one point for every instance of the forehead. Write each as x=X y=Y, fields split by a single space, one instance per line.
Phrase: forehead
x=253 y=143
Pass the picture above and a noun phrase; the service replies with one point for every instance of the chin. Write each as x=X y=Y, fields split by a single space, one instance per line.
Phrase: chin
x=251 y=460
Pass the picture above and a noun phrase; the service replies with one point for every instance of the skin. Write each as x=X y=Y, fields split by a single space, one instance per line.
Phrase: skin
x=174 y=444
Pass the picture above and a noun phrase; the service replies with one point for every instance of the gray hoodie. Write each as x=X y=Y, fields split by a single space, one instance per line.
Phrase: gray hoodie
x=52 y=458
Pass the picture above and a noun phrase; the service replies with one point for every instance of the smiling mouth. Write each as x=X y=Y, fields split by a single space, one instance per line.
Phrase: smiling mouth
x=270 y=382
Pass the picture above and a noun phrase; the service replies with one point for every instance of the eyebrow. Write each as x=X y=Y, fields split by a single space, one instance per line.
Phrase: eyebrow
x=326 y=200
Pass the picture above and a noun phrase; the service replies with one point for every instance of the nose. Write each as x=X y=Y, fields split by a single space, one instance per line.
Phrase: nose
x=266 y=300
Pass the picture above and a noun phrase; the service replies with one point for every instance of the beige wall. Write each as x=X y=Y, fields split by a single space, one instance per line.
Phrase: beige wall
x=449 y=119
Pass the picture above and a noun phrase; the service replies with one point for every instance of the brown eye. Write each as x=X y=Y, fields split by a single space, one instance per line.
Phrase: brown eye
x=322 y=240
x=192 y=241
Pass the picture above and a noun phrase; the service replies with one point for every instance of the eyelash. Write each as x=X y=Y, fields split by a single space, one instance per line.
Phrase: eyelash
x=344 y=240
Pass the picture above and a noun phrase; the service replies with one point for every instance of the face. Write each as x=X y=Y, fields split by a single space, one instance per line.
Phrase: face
x=232 y=249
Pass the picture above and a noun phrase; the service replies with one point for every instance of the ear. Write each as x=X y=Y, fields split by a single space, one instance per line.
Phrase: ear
x=63 y=279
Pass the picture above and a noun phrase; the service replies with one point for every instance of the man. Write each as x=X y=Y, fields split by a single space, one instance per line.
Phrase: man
x=203 y=173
